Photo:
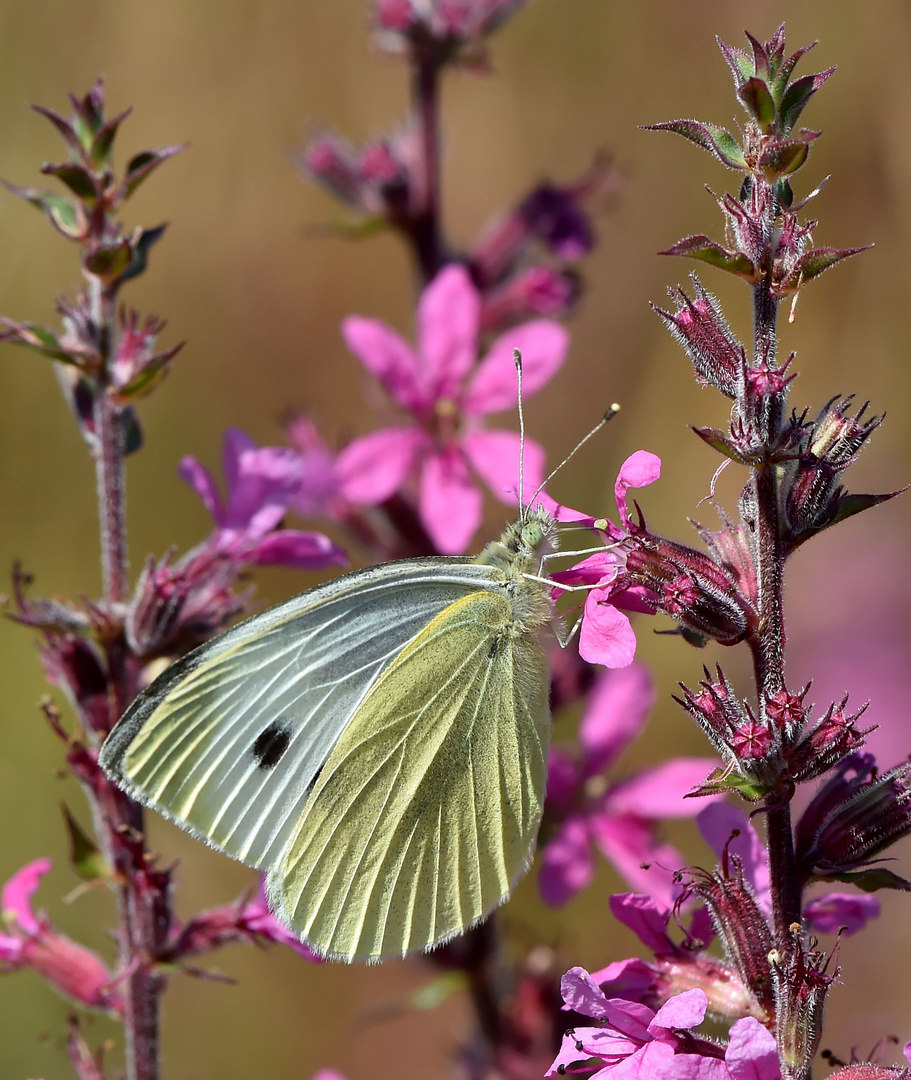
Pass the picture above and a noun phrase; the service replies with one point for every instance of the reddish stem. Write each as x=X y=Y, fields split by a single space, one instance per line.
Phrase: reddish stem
x=141 y=928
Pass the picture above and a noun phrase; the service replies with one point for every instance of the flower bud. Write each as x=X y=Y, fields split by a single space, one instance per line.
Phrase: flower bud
x=862 y=826
x=717 y=356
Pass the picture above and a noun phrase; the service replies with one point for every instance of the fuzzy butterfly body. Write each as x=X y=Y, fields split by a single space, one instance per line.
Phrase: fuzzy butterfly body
x=378 y=745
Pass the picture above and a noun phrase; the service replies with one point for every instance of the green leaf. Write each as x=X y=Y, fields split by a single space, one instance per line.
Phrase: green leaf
x=871 y=879
x=85 y=855
x=706 y=250
x=132 y=430
x=783 y=159
x=731 y=783
x=357 y=228
x=759 y=103
x=143 y=164
x=109 y=261
x=104 y=139
x=61 y=212
x=76 y=177
x=719 y=142
x=38 y=338
x=150 y=376
x=147 y=238
x=797 y=95
x=720 y=442
x=813 y=263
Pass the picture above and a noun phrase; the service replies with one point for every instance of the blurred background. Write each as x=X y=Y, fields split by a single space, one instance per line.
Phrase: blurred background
x=259 y=297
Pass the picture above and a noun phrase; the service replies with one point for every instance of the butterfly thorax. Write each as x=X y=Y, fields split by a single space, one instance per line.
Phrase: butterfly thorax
x=518 y=554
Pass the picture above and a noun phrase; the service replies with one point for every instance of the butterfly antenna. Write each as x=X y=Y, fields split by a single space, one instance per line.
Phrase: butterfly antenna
x=609 y=415
x=517 y=360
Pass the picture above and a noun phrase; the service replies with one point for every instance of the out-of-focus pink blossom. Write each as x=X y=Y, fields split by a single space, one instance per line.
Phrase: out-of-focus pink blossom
x=618 y=819
x=32 y=942
x=448 y=394
x=261 y=483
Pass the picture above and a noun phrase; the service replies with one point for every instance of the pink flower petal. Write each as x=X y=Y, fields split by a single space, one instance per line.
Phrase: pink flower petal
x=201 y=481
x=632 y=979
x=639 y=470
x=686 y=1010
x=372 y=468
x=261 y=483
x=835 y=911
x=582 y=994
x=566 y=863
x=291 y=547
x=659 y=792
x=494 y=385
x=606 y=636
x=449 y=314
x=751 y=1053
x=391 y=359
x=450 y=504
x=617 y=707
x=646 y=917
x=236 y=444
x=15 y=899
x=717 y=822
x=494 y=456
x=563 y=779
x=628 y=843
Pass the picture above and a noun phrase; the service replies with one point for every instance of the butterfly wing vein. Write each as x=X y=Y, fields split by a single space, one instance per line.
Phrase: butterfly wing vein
x=426 y=812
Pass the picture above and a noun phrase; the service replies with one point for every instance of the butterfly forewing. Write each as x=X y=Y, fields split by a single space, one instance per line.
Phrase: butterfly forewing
x=425 y=813
x=229 y=740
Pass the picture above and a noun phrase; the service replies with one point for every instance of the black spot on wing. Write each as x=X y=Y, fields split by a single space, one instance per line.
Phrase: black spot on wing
x=494 y=647
x=271 y=744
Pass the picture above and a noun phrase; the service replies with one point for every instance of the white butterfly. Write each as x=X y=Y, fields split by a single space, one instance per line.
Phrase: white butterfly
x=378 y=745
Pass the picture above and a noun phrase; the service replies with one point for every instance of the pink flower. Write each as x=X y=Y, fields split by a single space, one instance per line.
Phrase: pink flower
x=635 y=1040
x=606 y=636
x=261 y=483
x=619 y=819
x=32 y=942
x=447 y=394
x=259 y=920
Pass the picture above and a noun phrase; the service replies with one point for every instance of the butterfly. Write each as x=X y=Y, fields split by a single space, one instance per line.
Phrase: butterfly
x=377 y=745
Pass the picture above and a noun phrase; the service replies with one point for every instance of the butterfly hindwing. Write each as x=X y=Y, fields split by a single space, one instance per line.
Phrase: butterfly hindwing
x=425 y=813
x=228 y=741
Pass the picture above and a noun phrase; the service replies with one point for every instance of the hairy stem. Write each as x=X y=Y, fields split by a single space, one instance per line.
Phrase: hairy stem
x=768 y=650
x=140 y=925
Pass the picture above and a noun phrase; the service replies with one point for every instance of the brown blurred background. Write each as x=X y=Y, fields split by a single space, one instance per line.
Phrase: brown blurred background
x=259 y=300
